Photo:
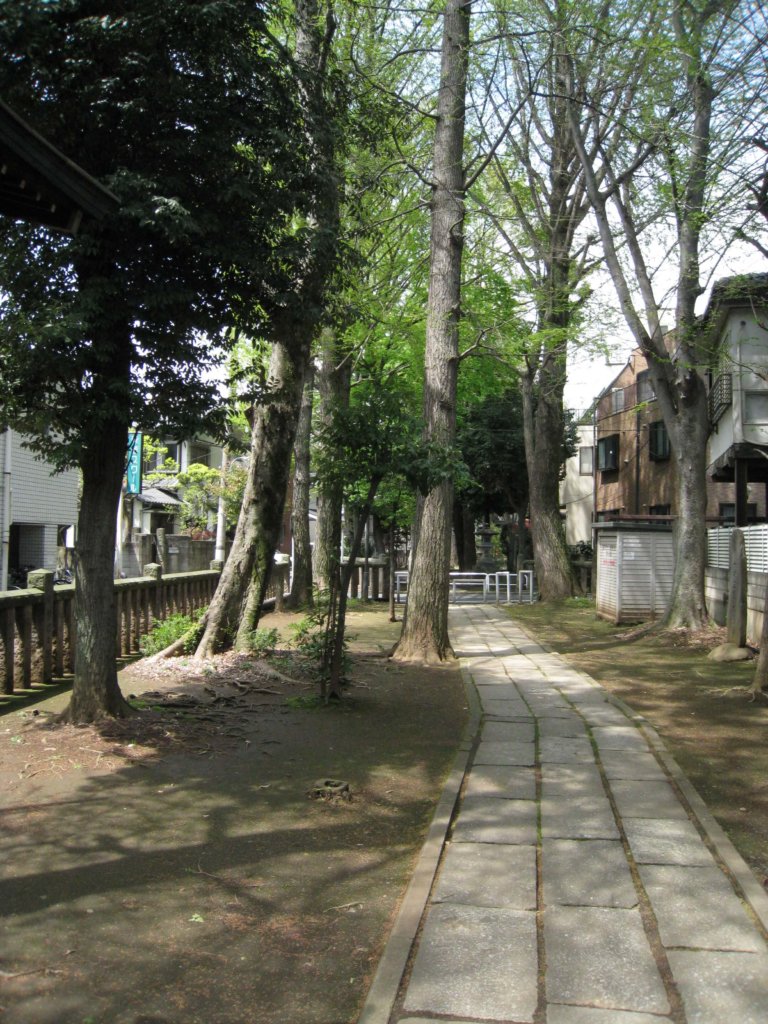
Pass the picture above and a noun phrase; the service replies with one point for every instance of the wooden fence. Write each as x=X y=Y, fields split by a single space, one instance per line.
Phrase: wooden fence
x=37 y=626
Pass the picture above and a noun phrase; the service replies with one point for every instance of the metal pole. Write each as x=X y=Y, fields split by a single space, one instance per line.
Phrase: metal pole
x=7 y=477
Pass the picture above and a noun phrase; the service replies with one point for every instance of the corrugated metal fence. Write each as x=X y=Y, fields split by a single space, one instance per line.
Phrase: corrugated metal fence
x=755 y=541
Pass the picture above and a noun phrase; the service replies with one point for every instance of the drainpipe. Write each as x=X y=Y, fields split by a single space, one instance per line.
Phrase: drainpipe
x=637 y=464
x=221 y=514
x=6 y=510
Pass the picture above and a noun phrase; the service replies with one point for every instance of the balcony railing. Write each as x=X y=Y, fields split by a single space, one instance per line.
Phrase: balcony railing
x=720 y=397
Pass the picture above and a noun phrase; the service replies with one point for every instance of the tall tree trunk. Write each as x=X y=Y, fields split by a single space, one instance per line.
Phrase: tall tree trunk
x=690 y=430
x=95 y=691
x=544 y=383
x=333 y=385
x=464 y=532
x=337 y=619
x=237 y=603
x=543 y=429
x=301 y=584
x=425 y=628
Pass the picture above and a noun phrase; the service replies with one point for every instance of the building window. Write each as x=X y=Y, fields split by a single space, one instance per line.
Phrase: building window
x=200 y=454
x=756 y=406
x=608 y=453
x=607 y=515
x=728 y=512
x=586 y=461
x=658 y=441
x=660 y=510
x=645 y=392
x=617 y=400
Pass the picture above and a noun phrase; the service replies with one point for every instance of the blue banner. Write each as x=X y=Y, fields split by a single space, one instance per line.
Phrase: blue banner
x=133 y=470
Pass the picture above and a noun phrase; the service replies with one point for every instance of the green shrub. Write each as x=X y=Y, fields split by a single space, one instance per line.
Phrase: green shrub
x=262 y=642
x=164 y=632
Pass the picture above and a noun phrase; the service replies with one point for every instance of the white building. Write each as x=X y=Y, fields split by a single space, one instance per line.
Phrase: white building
x=37 y=508
x=577 y=491
x=737 y=318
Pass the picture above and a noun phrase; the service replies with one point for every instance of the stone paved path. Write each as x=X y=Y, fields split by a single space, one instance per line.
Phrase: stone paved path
x=583 y=881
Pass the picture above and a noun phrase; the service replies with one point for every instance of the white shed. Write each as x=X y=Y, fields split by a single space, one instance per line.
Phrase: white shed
x=635 y=567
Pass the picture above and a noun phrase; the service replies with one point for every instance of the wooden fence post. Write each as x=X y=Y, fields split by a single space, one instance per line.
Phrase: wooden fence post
x=42 y=623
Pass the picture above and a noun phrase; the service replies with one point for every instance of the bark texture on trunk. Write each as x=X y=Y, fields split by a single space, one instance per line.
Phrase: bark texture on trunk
x=688 y=436
x=464 y=533
x=95 y=691
x=425 y=629
x=236 y=605
x=543 y=429
x=333 y=385
x=301 y=583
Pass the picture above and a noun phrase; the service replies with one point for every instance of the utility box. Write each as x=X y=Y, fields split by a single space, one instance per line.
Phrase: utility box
x=635 y=570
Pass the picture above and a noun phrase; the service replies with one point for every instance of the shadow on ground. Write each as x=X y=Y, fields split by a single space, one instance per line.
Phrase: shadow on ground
x=178 y=872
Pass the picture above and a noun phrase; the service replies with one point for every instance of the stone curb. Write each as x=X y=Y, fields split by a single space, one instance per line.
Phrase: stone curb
x=384 y=989
x=753 y=893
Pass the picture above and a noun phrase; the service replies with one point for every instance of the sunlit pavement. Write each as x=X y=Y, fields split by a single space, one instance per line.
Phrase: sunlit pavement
x=581 y=880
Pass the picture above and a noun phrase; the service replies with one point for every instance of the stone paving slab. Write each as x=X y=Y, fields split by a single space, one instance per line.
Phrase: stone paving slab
x=619 y=737
x=631 y=764
x=602 y=713
x=661 y=841
x=476 y=962
x=503 y=781
x=579 y=778
x=506 y=753
x=488 y=875
x=489 y=820
x=697 y=908
x=557 y=1014
x=477 y=957
x=492 y=692
x=561 y=750
x=509 y=732
x=636 y=799
x=591 y=872
x=560 y=821
x=601 y=957
x=722 y=988
x=572 y=727
x=508 y=710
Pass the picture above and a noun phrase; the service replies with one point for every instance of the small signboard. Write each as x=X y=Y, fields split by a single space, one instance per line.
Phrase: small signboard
x=134 y=463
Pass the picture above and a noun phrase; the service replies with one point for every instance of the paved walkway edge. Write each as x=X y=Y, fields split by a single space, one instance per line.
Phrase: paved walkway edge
x=754 y=894
x=385 y=987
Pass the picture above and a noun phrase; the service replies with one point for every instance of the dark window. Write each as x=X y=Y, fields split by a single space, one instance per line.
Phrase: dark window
x=660 y=510
x=658 y=441
x=728 y=511
x=607 y=515
x=608 y=453
x=586 y=461
x=645 y=392
x=617 y=400
x=200 y=453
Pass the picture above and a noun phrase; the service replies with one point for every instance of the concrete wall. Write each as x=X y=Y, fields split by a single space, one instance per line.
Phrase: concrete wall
x=577 y=493
x=716 y=591
x=184 y=554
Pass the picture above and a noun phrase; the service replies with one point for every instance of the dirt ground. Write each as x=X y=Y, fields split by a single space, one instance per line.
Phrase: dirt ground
x=175 y=868
x=700 y=708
